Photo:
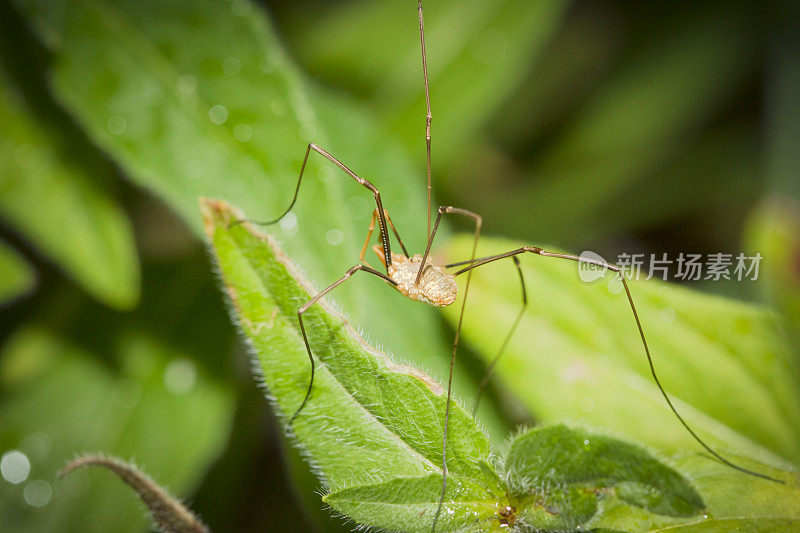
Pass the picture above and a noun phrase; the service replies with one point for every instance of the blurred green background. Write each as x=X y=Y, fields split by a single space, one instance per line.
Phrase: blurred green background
x=646 y=127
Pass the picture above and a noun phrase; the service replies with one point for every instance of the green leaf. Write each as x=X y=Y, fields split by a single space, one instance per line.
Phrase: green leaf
x=577 y=355
x=559 y=509
x=369 y=420
x=409 y=503
x=730 y=496
x=153 y=88
x=17 y=277
x=60 y=399
x=48 y=195
x=562 y=458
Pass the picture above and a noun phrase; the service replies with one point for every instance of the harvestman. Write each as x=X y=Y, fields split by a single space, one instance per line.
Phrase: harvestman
x=419 y=278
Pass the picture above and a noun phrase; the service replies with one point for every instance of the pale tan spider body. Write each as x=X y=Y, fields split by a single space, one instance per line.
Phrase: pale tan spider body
x=436 y=287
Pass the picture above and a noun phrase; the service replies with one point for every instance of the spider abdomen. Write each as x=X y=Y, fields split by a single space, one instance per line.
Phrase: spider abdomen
x=436 y=287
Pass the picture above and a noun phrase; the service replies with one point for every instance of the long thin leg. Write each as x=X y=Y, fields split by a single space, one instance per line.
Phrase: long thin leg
x=371 y=228
x=614 y=268
x=305 y=308
x=387 y=253
x=448 y=210
x=444 y=210
x=428 y=115
x=362 y=254
x=493 y=364
x=396 y=234
x=468 y=261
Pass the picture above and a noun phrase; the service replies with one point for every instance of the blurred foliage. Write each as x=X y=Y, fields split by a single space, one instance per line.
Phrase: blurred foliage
x=16 y=275
x=148 y=408
x=615 y=126
x=773 y=230
x=43 y=168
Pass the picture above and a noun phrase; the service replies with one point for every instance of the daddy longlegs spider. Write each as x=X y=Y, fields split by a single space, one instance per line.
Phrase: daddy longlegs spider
x=420 y=278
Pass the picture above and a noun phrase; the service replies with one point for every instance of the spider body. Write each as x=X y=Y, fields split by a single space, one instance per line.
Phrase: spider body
x=436 y=287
